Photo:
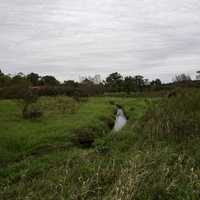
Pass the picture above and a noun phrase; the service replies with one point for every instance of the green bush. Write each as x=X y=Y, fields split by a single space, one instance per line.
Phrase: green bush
x=27 y=102
x=86 y=136
x=83 y=137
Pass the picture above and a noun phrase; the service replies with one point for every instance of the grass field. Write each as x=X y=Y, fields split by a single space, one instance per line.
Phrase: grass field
x=38 y=161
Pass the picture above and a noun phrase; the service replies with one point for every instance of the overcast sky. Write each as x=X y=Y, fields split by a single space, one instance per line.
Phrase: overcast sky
x=69 y=38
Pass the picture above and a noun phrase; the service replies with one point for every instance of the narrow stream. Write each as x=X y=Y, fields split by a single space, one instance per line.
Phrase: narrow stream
x=120 y=120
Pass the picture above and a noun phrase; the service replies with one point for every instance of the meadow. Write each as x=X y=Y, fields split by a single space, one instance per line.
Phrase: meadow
x=42 y=158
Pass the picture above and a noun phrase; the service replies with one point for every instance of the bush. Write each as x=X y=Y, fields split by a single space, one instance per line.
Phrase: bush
x=32 y=113
x=27 y=102
x=86 y=136
x=109 y=121
x=65 y=105
x=83 y=137
x=178 y=116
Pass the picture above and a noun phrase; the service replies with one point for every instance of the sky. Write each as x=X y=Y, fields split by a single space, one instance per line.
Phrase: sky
x=72 y=38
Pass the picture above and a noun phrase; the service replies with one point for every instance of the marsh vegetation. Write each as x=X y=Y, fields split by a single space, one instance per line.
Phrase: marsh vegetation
x=70 y=152
x=57 y=140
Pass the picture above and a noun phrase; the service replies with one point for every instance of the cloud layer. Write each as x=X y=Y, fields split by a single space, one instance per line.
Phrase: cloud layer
x=156 y=38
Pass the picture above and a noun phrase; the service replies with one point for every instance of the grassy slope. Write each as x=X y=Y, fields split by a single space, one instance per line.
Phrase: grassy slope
x=128 y=165
x=19 y=135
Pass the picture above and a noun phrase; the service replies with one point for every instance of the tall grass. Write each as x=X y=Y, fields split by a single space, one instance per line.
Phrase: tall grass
x=177 y=116
x=123 y=166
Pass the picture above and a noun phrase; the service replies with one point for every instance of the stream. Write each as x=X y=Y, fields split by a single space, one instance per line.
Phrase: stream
x=120 y=120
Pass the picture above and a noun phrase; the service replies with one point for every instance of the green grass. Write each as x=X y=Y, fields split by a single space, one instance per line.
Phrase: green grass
x=38 y=162
x=19 y=135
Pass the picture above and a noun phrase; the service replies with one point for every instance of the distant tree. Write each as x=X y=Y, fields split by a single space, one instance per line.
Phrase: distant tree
x=70 y=87
x=33 y=78
x=49 y=80
x=87 y=82
x=5 y=80
x=198 y=75
x=139 y=80
x=1 y=73
x=156 y=82
x=18 y=76
x=85 y=89
x=13 y=87
x=129 y=84
x=114 y=77
x=114 y=81
x=19 y=79
x=70 y=83
x=182 y=78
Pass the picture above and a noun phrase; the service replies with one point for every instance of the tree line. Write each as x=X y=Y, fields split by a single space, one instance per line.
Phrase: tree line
x=13 y=86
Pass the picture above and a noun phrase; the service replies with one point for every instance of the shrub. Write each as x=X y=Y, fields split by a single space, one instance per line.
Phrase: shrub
x=32 y=113
x=86 y=136
x=109 y=121
x=83 y=137
x=178 y=116
x=65 y=105
x=27 y=102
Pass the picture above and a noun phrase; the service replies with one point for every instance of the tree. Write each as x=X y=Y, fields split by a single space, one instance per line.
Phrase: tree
x=182 y=78
x=19 y=79
x=114 y=77
x=129 y=84
x=86 y=88
x=114 y=82
x=70 y=87
x=139 y=80
x=5 y=80
x=198 y=75
x=49 y=80
x=1 y=73
x=157 y=83
x=70 y=83
x=33 y=78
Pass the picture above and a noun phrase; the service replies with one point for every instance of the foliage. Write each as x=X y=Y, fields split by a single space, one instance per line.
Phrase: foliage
x=182 y=78
x=114 y=85
x=129 y=84
x=83 y=137
x=49 y=80
x=32 y=113
x=139 y=80
x=38 y=160
x=157 y=84
x=177 y=116
x=114 y=82
x=5 y=80
x=27 y=99
x=34 y=78
x=101 y=146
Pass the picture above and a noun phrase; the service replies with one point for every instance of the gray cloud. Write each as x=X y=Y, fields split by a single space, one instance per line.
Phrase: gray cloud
x=82 y=37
